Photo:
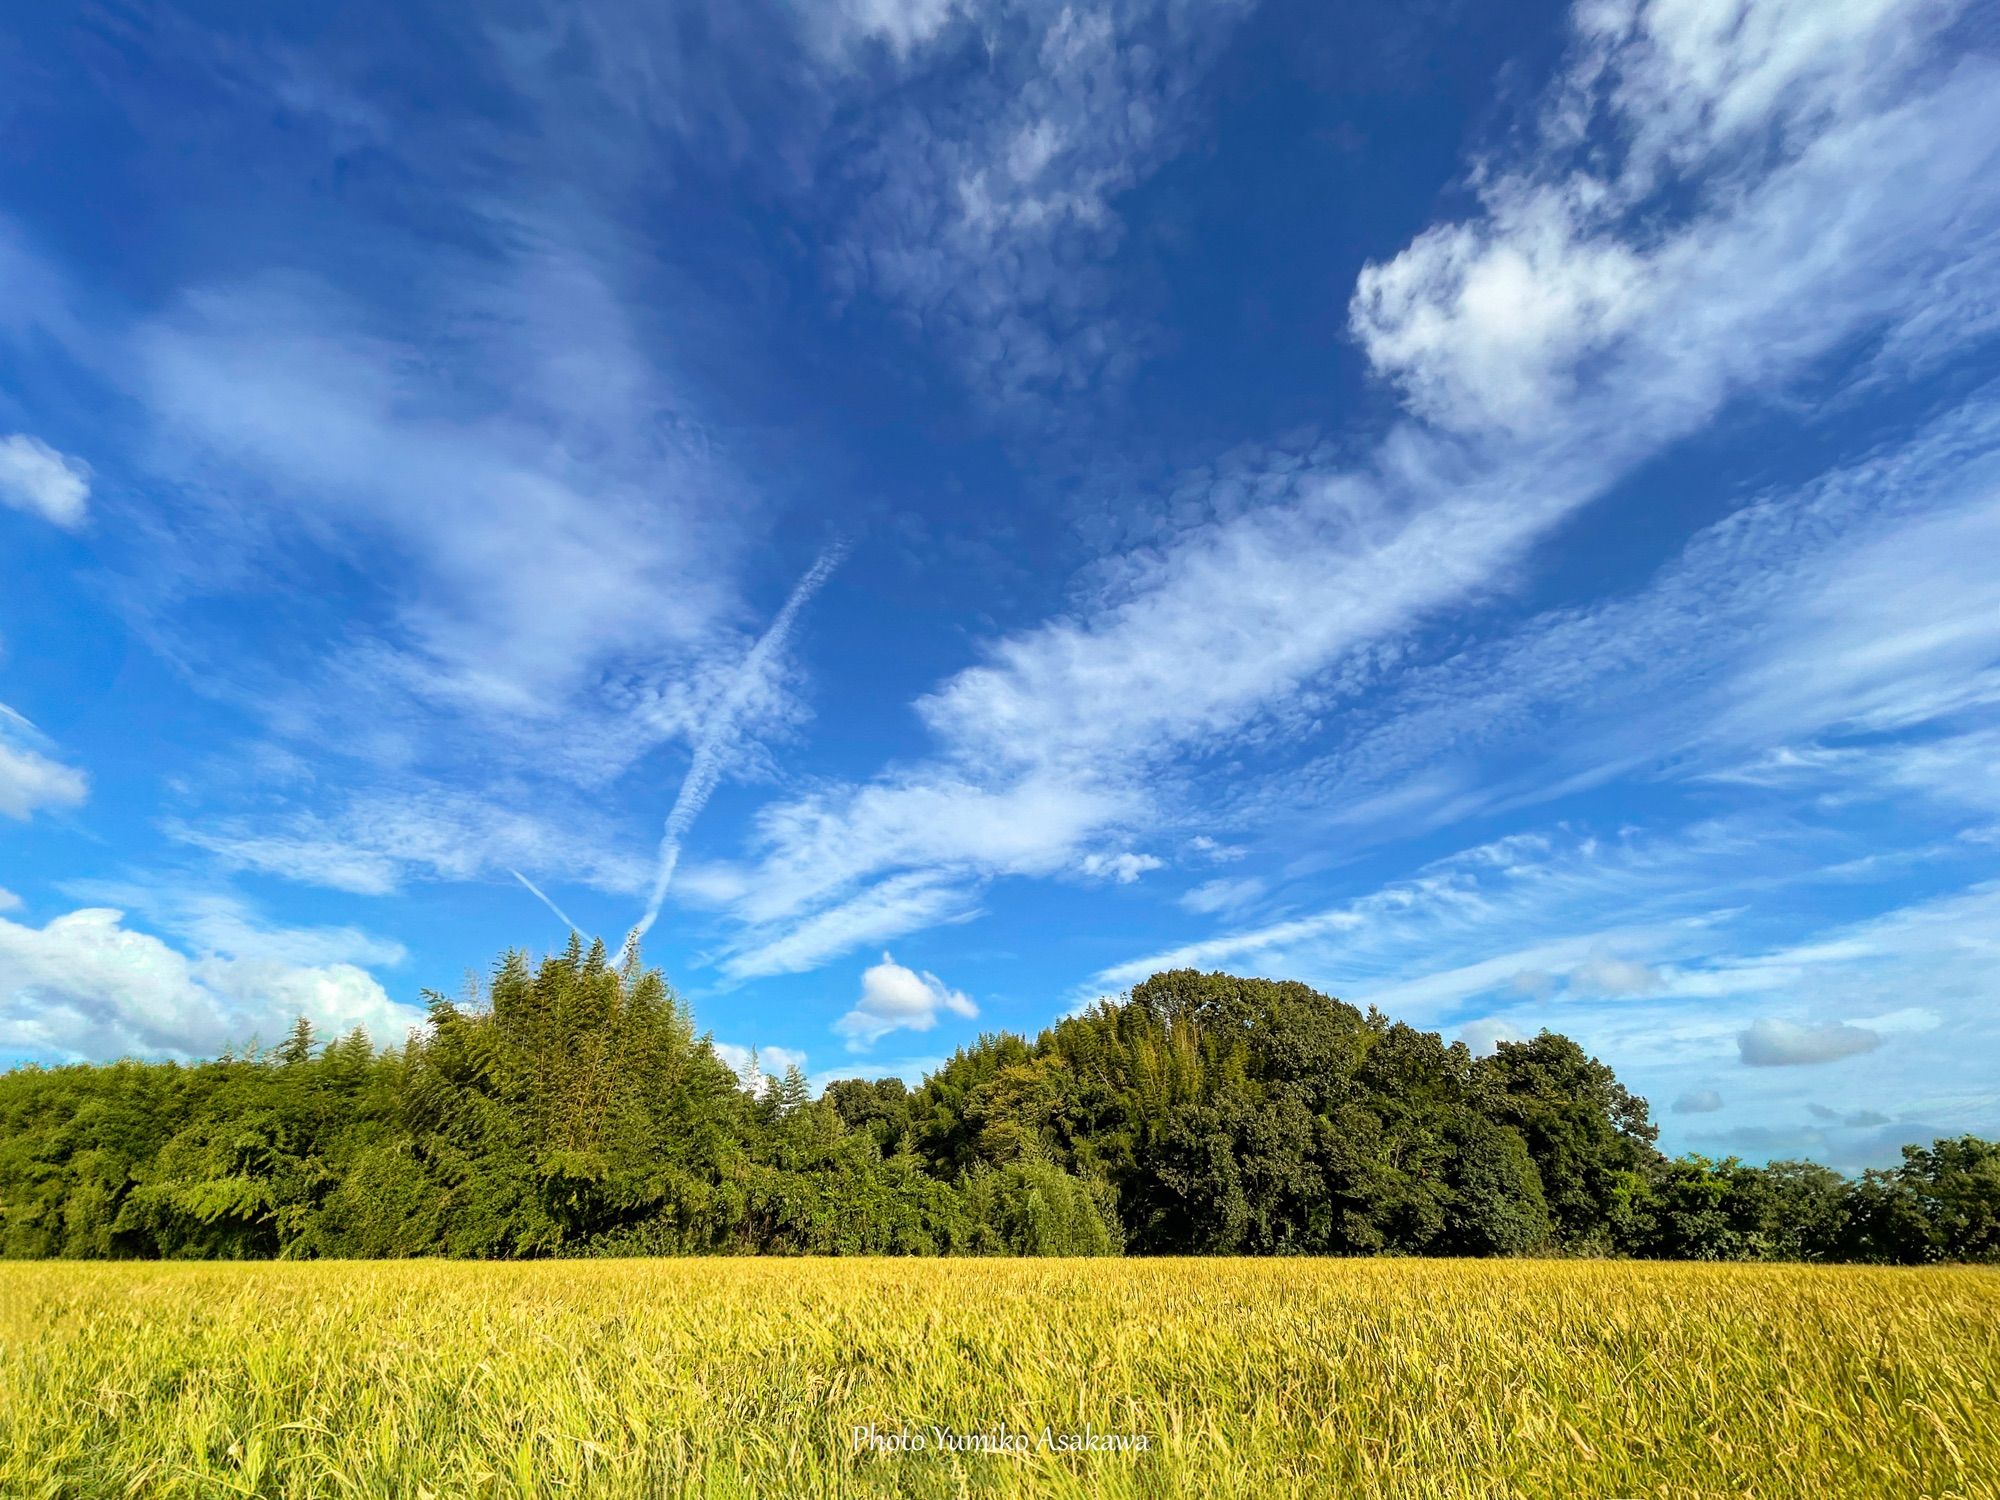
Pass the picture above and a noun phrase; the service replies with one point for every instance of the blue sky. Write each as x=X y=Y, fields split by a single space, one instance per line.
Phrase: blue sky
x=1493 y=511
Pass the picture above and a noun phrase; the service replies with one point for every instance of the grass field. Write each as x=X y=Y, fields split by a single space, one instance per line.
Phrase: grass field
x=1265 y=1378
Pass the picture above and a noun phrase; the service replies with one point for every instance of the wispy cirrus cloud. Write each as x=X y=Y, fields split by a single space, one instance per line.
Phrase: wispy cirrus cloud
x=1222 y=896
x=910 y=902
x=1824 y=213
x=1853 y=606
x=373 y=842
x=506 y=541
x=30 y=778
x=544 y=582
x=987 y=213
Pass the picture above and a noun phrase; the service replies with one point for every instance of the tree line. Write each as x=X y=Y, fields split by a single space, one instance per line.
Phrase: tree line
x=573 y=1110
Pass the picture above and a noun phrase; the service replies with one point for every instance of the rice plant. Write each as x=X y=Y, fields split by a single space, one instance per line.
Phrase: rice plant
x=723 y=1377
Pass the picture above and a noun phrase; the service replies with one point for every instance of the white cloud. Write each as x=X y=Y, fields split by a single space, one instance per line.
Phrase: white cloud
x=1858 y=1119
x=1354 y=559
x=36 y=478
x=87 y=986
x=867 y=864
x=1954 y=769
x=1484 y=1035
x=295 y=856
x=536 y=532
x=1841 y=656
x=219 y=923
x=1485 y=325
x=890 y=908
x=29 y=779
x=1211 y=849
x=1790 y=124
x=904 y=26
x=309 y=398
x=1857 y=602
x=989 y=210
x=1065 y=733
x=754 y=1065
x=1723 y=924
x=1836 y=225
x=8 y=900
x=1213 y=896
x=1698 y=1102
x=372 y=843
x=1604 y=975
x=1772 y=1043
x=1646 y=942
x=43 y=483
x=1474 y=923
x=894 y=998
x=1123 y=867
x=553 y=541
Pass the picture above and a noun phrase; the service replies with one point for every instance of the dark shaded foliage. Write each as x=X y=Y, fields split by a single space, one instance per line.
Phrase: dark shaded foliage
x=573 y=1110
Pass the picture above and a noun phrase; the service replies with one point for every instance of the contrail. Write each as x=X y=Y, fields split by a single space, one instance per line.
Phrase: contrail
x=706 y=768
x=536 y=892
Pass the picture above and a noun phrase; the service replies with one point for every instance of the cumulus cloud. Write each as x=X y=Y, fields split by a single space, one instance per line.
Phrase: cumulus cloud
x=1773 y=1043
x=87 y=986
x=8 y=900
x=37 y=479
x=1698 y=1102
x=894 y=998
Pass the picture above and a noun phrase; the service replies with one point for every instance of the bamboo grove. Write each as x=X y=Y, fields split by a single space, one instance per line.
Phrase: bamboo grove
x=572 y=1109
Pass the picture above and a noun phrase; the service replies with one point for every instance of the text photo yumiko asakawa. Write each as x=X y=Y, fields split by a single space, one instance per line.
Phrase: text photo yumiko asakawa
x=941 y=1439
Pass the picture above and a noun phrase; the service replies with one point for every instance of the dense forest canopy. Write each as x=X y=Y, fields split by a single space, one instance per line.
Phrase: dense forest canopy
x=574 y=1110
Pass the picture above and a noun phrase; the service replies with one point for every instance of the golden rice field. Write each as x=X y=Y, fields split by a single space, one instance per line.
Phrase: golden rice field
x=1253 y=1378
